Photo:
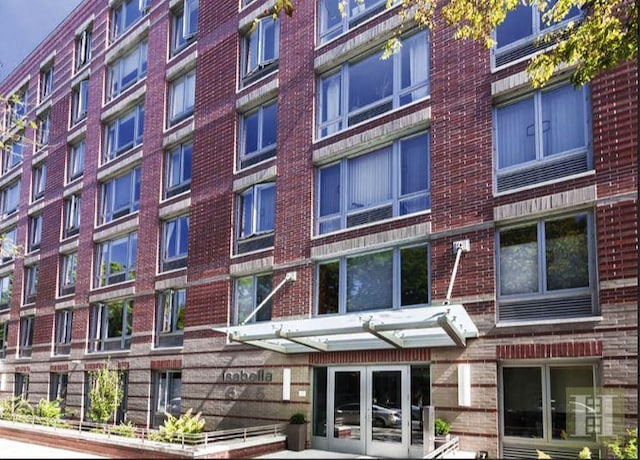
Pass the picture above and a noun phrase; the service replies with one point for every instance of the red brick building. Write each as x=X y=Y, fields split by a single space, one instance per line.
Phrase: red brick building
x=254 y=217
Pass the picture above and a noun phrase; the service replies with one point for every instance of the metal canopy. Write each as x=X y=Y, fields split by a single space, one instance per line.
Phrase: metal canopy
x=435 y=326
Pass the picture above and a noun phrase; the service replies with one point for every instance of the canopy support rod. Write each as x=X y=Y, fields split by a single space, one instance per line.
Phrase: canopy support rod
x=459 y=247
x=290 y=276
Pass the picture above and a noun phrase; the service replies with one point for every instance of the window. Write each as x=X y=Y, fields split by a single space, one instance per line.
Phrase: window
x=261 y=50
x=256 y=217
x=68 y=273
x=182 y=94
x=170 y=317
x=46 y=82
x=258 y=133
x=22 y=386
x=116 y=260
x=83 y=47
x=175 y=247
x=334 y=22
x=4 y=331
x=394 y=278
x=518 y=36
x=42 y=133
x=12 y=155
x=110 y=326
x=90 y=382
x=178 y=170
x=79 y=101
x=390 y=182
x=62 y=344
x=38 y=181
x=75 y=163
x=350 y=96
x=250 y=292
x=58 y=387
x=120 y=196
x=6 y=286
x=542 y=137
x=545 y=269
x=184 y=26
x=124 y=133
x=127 y=70
x=539 y=402
x=9 y=247
x=167 y=395
x=71 y=215
x=26 y=336
x=10 y=198
x=17 y=107
x=30 y=284
x=125 y=14
x=35 y=232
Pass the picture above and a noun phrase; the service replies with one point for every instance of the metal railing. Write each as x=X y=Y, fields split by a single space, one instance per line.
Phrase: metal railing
x=450 y=446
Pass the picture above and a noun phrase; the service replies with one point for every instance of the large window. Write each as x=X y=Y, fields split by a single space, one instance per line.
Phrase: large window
x=256 y=217
x=6 y=288
x=90 y=382
x=184 y=26
x=62 y=343
x=250 y=292
x=9 y=247
x=127 y=70
x=178 y=170
x=35 y=232
x=110 y=326
x=46 y=82
x=79 y=101
x=540 y=402
x=120 y=196
x=75 y=161
x=116 y=260
x=542 y=137
x=182 y=95
x=17 y=107
x=10 y=198
x=175 y=247
x=167 y=395
x=43 y=122
x=350 y=95
x=30 y=284
x=388 y=279
x=170 y=317
x=83 y=47
x=125 y=14
x=124 y=133
x=392 y=181
x=71 y=224
x=261 y=50
x=68 y=273
x=12 y=155
x=545 y=269
x=26 y=336
x=58 y=388
x=4 y=330
x=519 y=35
x=338 y=16
x=38 y=181
x=258 y=133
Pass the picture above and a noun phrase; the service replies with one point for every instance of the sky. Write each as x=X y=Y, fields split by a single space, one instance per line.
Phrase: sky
x=24 y=24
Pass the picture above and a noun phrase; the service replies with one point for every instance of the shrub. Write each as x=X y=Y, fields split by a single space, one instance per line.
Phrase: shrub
x=299 y=418
x=626 y=448
x=174 y=427
x=441 y=427
x=15 y=407
x=127 y=430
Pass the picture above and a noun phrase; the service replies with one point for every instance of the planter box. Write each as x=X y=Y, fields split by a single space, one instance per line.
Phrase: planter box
x=297 y=437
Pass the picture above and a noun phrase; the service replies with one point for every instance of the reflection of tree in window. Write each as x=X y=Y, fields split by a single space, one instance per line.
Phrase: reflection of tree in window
x=414 y=273
x=519 y=261
x=567 y=254
x=370 y=282
x=328 y=287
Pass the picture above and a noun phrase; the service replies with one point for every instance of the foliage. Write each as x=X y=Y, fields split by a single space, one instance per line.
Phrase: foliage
x=441 y=427
x=605 y=37
x=542 y=455
x=127 y=430
x=15 y=405
x=173 y=427
x=299 y=418
x=49 y=412
x=585 y=453
x=105 y=395
x=625 y=448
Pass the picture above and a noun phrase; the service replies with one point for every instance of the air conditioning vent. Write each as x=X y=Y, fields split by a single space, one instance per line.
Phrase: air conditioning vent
x=372 y=215
x=255 y=243
x=548 y=170
x=554 y=308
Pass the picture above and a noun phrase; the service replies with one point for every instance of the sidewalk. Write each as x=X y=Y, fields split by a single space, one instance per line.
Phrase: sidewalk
x=16 y=449
x=311 y=453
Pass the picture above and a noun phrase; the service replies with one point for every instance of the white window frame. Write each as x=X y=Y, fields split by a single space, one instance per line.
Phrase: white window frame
x=62 y=338
x=263 y=152
x=6 y=290
x=12 y=155
x=108 y=194
x=75 y=164
x=104 y=257
x=254 y=292
x=30 y=283
x=83 y=48
x=115 y=71
x=254 y=44
x=43 y=131
x=165 y=382
x=170 y=305
x=4 y=330
x=68 y=272
x=26 y=336
x=46 y=83
x=99 y=339
x=112 y=133
x=35 y=232
x=355 y=13
x=72 y=213
x=38 y=181
x=255 y=192
x=182 y=89
x=172 y=258
x=182 y=185
x=10 y=198
x=119 y=18
x=9 y=245
x=79 y=102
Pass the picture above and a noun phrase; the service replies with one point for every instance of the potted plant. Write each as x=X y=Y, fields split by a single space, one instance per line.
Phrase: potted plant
x=297 y=432
x=441 y=429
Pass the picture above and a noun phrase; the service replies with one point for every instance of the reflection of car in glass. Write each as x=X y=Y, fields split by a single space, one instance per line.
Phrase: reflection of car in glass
x=349 y=414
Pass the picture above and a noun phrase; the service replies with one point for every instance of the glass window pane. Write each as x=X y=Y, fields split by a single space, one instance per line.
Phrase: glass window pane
x=519 y=261
x=244 y=298
x=414 y=165
x=247 y=214
x=183 y=244
x=328 y=287
x=370 y=282
x=414 y=61
x=126 y=132
x=517 y=25
x=369 y=179
x=567 y=253
x=364 y=90
x=270 y=38
x=563 y=120
x=269 y=125
x=263 y=290
x=522 y=409
x=330 y=190
x=570 y=387
x=186 y=162
x=114 y=328
x=251 y=133
x=516 y=133
x=414 y=274
x=266 y=209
